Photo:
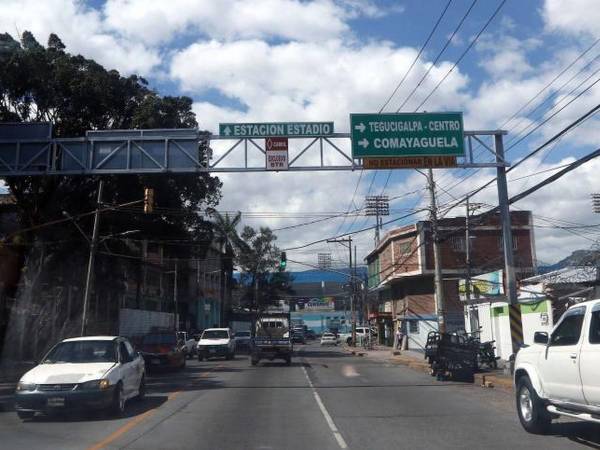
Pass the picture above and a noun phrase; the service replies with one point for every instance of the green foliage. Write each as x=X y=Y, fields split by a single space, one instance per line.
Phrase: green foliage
x=77 y=94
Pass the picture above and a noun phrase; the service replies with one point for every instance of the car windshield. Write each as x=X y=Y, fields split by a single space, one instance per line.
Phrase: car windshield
x=215 y=334
x=159 y=339
x=82 y=352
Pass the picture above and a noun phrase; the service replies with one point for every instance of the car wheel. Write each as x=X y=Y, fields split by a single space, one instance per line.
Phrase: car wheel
x=349 y=341
x=254 y=361
x=142 y=388
x=531 y=409
x=288 y=361
x=183 y=363
x=117 y=408
x=25 y=414
x=200 y=357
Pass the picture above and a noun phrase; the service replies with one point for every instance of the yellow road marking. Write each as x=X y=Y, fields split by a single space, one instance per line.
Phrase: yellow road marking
x=137 y=420
x=124 y=429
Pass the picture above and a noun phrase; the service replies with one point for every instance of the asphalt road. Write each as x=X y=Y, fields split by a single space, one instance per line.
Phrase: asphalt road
x=327 y=400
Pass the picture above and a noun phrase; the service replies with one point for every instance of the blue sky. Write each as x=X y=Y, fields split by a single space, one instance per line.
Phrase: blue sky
x=282 y=60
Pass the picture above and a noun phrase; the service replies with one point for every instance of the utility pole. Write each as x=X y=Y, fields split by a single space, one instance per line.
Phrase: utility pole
x=175 y=298
x=437 y=258
x=91 y=259
x=516 y=326
x=348 y=241
x=596 y=208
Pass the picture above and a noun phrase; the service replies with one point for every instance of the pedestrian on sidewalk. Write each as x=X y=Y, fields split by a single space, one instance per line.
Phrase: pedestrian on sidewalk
x=399 y=338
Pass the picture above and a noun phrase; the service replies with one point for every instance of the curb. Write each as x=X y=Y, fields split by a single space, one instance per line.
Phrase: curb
x=486 y=380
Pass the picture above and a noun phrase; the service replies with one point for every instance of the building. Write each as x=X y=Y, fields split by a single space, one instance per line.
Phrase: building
x=401 y=270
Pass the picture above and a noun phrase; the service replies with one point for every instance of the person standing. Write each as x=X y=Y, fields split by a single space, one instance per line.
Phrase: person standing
x=399 y=337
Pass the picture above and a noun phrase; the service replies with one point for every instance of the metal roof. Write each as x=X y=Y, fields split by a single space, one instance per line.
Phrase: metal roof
x=566 y=275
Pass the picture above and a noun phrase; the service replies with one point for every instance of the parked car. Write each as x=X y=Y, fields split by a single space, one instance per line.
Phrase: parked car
x=96 y=372
x=187 y=343
x=310 y=335
x=559 y=374
x=216 y=342
x=298 y=335
x=162 y=351
x=242 y=340
x=361 y=332
x=329 y=339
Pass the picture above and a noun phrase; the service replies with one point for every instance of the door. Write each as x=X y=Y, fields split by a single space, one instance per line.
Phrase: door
x=137 y=363
x=127 y=369
x=589 y=362
x=559 y=363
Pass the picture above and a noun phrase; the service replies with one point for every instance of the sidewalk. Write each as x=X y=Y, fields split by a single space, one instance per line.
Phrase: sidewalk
x=416 y=361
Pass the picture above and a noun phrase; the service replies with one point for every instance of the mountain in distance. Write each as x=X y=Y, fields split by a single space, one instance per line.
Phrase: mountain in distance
x=577 y=258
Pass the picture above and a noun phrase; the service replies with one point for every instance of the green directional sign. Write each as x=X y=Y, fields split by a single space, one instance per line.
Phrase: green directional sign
x=286 y=129
x=407 y=134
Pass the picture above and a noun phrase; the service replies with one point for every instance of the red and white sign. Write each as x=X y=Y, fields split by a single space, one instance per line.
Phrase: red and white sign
x=276 y=153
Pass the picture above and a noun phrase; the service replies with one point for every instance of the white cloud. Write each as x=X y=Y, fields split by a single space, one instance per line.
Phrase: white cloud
x=158 y=21
x=572 y=16
x=81 y=29
x=305 y=80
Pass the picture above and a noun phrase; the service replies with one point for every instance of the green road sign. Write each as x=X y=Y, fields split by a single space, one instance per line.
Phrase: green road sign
x=287 y=129
x=407 y=134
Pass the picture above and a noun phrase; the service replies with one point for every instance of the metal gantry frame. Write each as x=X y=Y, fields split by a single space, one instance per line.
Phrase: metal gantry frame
x=188 y=151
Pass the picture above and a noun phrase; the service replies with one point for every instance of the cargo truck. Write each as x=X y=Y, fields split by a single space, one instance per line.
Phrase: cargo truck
x=271 y=338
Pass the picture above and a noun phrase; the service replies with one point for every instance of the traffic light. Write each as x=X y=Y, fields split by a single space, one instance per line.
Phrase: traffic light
x=282 y=261
x=148 y=200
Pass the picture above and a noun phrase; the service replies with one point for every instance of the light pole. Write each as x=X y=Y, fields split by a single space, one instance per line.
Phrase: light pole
x=174 y=272
x=348 y=242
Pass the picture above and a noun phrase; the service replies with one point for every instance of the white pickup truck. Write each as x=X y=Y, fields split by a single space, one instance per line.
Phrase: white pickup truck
x=559 y=375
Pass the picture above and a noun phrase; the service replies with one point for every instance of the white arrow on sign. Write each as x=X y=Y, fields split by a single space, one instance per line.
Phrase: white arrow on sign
x=227 y=131
x=360 y=127
x=363 y=143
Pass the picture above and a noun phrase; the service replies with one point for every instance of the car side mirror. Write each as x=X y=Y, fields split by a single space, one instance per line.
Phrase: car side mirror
x=540 y=337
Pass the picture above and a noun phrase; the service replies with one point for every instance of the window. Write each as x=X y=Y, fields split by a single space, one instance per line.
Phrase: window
x=125 y=356
x=413 y=327
x=515 y=240
x=595 y=325
x=404 y=248
x=458 y=243
x=569 y=330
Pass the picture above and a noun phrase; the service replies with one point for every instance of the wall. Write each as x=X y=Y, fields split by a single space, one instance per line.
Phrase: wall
x=135 y=322
x=417 y=340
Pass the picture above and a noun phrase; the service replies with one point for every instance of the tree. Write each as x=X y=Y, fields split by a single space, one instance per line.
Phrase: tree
x=76 y=94
x=258 y=259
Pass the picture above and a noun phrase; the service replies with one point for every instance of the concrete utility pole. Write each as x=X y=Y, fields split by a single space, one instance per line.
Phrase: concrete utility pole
x=514 y=310
x=92 y=257
x=437 y=259
x=348 y=241
x=175 y=297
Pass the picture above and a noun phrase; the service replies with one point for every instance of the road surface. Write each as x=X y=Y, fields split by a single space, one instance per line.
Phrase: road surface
x=326 y=400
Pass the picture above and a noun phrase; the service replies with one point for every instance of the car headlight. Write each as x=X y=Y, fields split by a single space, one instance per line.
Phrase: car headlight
x=286 y=334
x=95 y=384
x=25 y=387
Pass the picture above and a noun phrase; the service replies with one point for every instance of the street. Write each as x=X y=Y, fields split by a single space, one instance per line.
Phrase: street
x=327 y=399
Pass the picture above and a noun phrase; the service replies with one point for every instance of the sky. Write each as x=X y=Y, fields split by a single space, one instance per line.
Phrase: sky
x=290 y=60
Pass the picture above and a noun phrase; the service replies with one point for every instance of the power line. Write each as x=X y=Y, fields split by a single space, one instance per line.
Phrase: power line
x=417 y=57
x=463 y=54
x=439 y=55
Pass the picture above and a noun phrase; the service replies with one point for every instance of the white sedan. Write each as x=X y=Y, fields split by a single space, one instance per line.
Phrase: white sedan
x=96 y=372
x=329 y=339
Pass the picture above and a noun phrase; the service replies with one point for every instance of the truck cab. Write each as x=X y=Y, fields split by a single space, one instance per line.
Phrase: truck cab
x=271 y=338
x=559 y=374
